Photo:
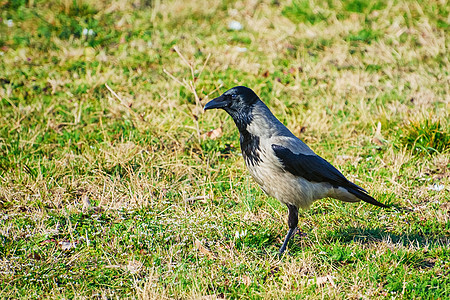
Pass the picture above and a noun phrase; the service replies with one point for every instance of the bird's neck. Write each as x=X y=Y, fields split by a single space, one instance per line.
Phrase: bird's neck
x=250 y=147
x=259 y=122
x=242 y=121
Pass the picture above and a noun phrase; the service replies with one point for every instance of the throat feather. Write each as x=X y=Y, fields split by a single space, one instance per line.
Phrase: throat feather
x=250 y=147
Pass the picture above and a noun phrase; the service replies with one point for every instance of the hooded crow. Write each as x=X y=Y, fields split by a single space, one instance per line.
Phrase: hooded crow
x=283 y=166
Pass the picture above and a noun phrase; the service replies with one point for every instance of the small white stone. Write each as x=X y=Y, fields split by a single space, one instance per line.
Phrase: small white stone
x=436 y=187
x=241 y=49
x=235 y=25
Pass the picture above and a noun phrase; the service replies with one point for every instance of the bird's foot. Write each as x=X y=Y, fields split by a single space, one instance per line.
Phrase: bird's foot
x=291 y=233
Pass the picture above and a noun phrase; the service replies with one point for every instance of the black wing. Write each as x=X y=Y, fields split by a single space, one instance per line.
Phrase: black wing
x=315 y=168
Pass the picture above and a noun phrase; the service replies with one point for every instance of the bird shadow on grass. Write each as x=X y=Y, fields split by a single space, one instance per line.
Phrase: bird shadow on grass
x=374 y=235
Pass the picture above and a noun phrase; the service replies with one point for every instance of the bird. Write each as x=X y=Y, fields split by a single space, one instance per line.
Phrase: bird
x=282 y=164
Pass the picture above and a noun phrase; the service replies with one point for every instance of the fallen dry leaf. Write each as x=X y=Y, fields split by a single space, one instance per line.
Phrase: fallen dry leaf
x=203 y=250
x=213 y=134
x=322 y=280
x=445 y=206
x=246 y=280
x=212 y=297
x=378 y=137
x=35 y=256
x=377 y=141
x=86 y=202
x=134 y=266
x=202 y=199
x=66 y=246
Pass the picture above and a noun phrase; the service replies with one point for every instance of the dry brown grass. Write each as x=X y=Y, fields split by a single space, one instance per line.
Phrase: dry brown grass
x=158 y=210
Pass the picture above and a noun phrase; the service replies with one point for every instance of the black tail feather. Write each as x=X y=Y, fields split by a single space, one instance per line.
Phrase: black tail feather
x=366 y=198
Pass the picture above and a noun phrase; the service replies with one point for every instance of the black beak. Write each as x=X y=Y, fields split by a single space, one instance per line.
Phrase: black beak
x=219 y=102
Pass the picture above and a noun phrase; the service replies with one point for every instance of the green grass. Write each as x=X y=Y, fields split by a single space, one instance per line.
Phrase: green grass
x=128 y=197
x=425 y=136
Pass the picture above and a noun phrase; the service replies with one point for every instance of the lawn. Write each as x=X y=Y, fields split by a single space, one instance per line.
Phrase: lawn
x=115 y=184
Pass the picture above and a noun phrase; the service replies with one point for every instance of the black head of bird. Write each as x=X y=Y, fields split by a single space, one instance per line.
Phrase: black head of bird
x=282 y=165
x=237 y=102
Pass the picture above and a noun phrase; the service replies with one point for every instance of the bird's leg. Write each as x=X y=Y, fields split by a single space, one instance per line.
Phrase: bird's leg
x=292 y=222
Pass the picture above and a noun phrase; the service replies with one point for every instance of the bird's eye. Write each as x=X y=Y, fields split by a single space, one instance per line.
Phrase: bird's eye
x=233 y=96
